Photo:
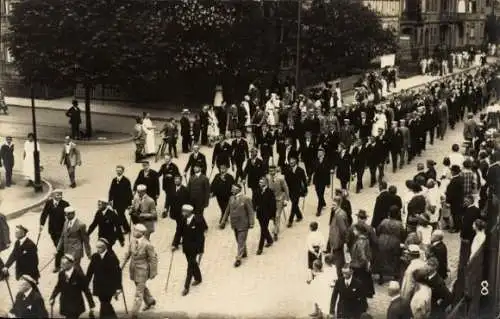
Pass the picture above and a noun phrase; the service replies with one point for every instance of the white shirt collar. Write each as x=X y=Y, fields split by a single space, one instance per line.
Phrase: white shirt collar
x=69 y=272
x=119 y=178
x=348 y=281
x=189 y=219
x=395 y=297
x=103 y=254
x=21 y=241
x=197 y=174
x=71 y=222
x=27 y=293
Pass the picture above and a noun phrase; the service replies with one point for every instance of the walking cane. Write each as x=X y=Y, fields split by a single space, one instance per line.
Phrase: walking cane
x=10 y=291
x=303 y=203
x=244 y=188
x=169 y=270
x=38 y=238
x=52 y=310
x=125 y=303
x=211 y=171
x=47 y=264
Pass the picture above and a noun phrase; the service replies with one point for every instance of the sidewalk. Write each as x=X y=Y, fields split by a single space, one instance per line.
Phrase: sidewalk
x=131 y=109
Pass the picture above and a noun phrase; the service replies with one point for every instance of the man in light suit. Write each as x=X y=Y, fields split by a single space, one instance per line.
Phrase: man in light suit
x=120 y=196
x=74 y=239
x=143 y=210
x=338 y=234
x=199 y=189
x=279 y=187
x=70 y=157
x=242 y=216
x=405 y=133
x=143 y=267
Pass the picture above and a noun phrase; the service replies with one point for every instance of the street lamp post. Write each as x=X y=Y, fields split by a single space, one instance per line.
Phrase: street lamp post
x=37 y=183
x=297 y=53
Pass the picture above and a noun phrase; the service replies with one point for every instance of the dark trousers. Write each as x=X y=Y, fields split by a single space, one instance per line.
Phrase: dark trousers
x=239 y=170
x=55 y=239
x=8 y=175
x=106 y=311
x=343 y=183
x=309 y=171
x=204 y=135
x=122 y=218
x=432 y=133
x=186 y=143
x=172 y=147
x=320 y=192
x=457 y=217
x=394 y=159
x=381 y=172
x=193 y=270
x=295 y=211
x=359 y=179
x=265 y=235
x=373 y=175
x=75 y=131
x=223 y=202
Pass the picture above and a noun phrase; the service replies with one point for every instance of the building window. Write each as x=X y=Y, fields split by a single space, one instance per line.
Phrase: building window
x=7 y=7
x=472 y=32
x=8 y=56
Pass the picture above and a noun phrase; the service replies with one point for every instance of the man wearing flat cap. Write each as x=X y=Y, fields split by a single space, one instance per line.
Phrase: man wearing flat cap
x=29 y=302
x=143 y=210
x=192 y=234
x=54 y=211
x=143 y=267
x=71 y=283
x=74 y=239
x=24 y=254
x=108 y=223
x=104 y=268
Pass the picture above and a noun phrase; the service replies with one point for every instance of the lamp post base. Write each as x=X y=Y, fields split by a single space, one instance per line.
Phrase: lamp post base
x=38 y=187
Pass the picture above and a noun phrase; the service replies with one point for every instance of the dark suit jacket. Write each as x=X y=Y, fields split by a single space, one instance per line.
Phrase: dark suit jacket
x=106 y=273
x=399 y=309
x=109 y=225
x=455 y=192
x=200 y=160
x=308 y=154
x=177 y=199
x=344 y=166
x=168 y=173
x=440 y=252
x=221 y=188
x=470 y=215
x=192 y=235
x=439 y=292
x=395 y=140
x=120 y=193
x=7 y=155
x=296 y=182
x=264 y=204
x=239 y=151
x=199 y=191
x=31 y=307
x=222 y=154
x=151 y=181
x=292 y=153
x=71 y=300
x=350 y=299
x=55 y=215
x=254 y=172
x=381 y=209
x=321 y=175
x=74 y=115
x=26 y=258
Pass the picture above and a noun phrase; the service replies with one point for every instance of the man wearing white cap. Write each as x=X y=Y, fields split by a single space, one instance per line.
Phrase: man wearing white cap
x=143 y=267
x=29 y=302
x=143 y=210
x=192 y=233
x=71 y=283
x=398 y=308
x=54 y=211
x=408 y=282
x=108 y=223
x=74 y=238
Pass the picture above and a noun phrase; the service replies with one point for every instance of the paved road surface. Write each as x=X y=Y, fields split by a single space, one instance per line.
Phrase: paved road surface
x=269 y=285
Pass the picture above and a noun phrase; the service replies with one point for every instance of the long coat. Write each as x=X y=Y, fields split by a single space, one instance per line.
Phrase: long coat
x=7 y=155
x=120 y=193
x=199 y=191
x=381 y=209
x=56 y=216
x=240 y=212
x=109 y=225
x=106 y=273
x=71 y=289
x=25 y=256
x=151 y=181
x=388 y=257
x=74 y=240
x=143 y=260
x=29 y=307
x=178 y=198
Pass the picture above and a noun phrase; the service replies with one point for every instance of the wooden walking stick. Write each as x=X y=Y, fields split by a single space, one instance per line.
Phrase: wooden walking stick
x=125 y=303
x=169 y=270
x=48 y=263
x=38 y=237
x=10 y=291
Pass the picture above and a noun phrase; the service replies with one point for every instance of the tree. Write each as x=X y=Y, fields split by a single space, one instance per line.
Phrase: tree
x=89 y=42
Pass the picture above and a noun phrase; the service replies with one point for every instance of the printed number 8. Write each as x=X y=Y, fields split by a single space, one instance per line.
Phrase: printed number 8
x=484 y=288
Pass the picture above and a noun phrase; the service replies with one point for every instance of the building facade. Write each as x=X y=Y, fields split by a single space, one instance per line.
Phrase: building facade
x=440 y=26
x=389 y=12
x=8 y=74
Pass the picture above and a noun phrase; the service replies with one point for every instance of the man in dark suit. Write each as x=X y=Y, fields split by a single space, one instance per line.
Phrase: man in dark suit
x=439 y=251
x=104 y=268
x=359 y=158
x=321 y=179
x=198 y=189
x=264 y=203
x=221 y=187
x=296 y=180
x=71 y=283
x=75 y=119
x=455 y=197
x=185 y=131
x=395 y=138
x=222 y=153
x=308 y=154
x=399 y=308
x=349 y=293
x=24 y=254
x=254 y=170
x=168 y=171
x=192 y=233
x=179 y=197
x=239 y=154
x=287 y=153
x=441 y=295
x=196 y=158
x=120 y=196
x=54 y=211
x=108 y=223
x=467 y=232
x=343 y=166
x=266 y=145
x=7 y=160
x=150 y=179
x=381 y=209
x=29 y=302
x=365 y=127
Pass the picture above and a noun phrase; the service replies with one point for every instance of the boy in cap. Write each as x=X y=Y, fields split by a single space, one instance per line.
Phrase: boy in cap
x=71 y=283
x=24 y=254
x=192 y=233
x=29 y=302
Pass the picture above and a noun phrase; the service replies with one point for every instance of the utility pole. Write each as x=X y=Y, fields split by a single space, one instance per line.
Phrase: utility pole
x=297 y=57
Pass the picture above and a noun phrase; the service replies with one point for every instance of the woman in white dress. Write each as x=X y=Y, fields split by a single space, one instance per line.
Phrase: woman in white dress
x=29 y=159
x=213 y=131
x=149 y=128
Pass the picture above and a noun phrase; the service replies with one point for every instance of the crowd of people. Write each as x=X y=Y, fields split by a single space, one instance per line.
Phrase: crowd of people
x=316 y=139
